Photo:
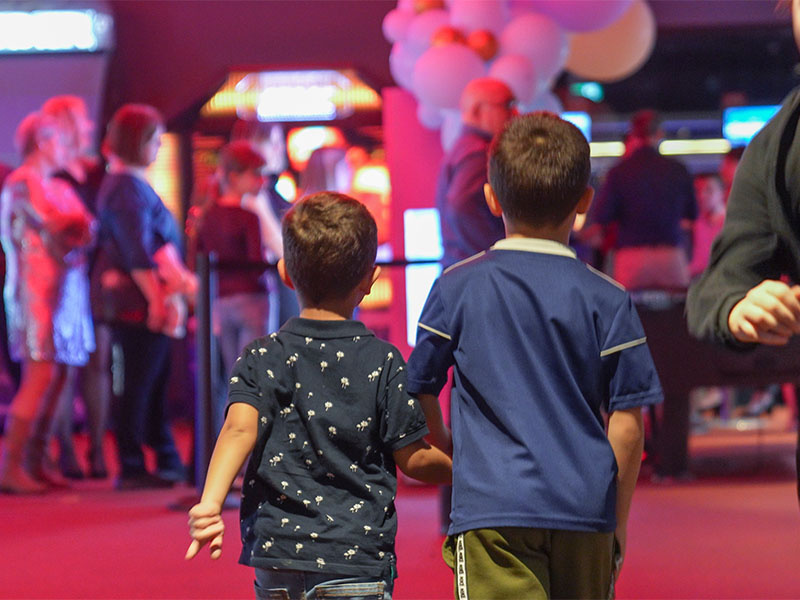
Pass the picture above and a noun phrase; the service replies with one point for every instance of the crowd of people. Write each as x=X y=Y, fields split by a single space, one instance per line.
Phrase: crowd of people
x=96 y=286
x=95 y=268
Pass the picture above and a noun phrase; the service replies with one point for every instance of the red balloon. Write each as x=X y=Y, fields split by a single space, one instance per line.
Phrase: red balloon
x=483 y=42
x=420 y=6
x=447 y=34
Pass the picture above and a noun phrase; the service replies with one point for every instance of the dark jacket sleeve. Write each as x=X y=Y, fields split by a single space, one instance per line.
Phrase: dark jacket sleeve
x=753 y=244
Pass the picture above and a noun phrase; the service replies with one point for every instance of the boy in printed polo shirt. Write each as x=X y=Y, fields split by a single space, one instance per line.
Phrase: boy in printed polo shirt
x=323 y=407
x=542 y=346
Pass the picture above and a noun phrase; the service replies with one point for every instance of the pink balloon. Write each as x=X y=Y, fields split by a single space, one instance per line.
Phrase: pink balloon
x=518 y=73
x=617 y=51
x=580 y=15
x=442 y=73
x=430 y=116
x=540 y=39
x=396 y=24
x=423 y=26
x=470 y=15
x=401 y=64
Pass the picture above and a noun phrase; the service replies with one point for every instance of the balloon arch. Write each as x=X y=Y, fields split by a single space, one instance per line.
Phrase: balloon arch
x=441 y=45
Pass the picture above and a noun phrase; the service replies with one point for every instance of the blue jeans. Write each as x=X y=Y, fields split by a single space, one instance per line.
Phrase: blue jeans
x=305 y=585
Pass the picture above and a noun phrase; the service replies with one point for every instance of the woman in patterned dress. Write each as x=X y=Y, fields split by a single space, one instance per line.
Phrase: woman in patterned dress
x=45 y=232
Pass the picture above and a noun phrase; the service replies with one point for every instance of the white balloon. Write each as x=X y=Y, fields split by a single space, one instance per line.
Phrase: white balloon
x=442 y=73
x=518 y=73
x=540 y=39
x=430 y=116
x=401 y=64
x=396 y=24
x=547 y=101
x=424 y=26
x=470 y=15
x=451 y=128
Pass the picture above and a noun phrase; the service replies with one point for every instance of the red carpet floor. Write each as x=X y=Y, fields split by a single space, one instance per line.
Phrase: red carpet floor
x=733 y=532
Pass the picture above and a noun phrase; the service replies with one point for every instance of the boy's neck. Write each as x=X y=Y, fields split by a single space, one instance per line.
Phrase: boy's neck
x=558 y=234
x=329 y=311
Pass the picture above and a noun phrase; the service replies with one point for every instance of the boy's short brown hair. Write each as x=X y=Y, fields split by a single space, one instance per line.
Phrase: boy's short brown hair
x=539 y=168
x=129 y=130
x=329 y=243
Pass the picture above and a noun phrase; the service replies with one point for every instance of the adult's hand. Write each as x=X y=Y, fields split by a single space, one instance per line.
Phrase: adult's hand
x=768 y=314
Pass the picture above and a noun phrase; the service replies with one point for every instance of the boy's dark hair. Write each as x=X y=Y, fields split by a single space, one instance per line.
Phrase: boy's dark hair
x=329 y=244
x=539 y=168
x=240 y=156
x=129 y=130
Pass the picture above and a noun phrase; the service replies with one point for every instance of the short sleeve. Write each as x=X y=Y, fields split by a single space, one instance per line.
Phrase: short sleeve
x=433 y=354
x=129 y=221
x=403 y=421
x=245 y=383
x=627 y=363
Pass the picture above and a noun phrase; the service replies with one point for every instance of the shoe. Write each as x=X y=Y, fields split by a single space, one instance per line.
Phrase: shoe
x=68 y=464
x=174 y=474
x=97 y=465
x=141 y=481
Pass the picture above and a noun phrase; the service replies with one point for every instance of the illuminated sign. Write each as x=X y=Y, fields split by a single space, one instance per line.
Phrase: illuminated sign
x=46 y=31
x=286 y=96
x=741 y=123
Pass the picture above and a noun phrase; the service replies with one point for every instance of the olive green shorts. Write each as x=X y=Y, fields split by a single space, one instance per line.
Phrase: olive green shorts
x=521 y=563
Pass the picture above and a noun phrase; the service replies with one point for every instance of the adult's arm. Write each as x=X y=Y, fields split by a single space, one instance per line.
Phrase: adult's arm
x=747 y=251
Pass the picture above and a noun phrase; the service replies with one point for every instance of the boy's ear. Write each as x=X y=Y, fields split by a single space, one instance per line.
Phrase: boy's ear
x=284 y=274
x=491 y=200
x=369 y=280
x=586 y=201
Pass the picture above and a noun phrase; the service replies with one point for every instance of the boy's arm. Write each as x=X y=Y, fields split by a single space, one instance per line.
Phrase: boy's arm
x=424 y=462
x=234 y=445
x=626 y=435
x=439 y=433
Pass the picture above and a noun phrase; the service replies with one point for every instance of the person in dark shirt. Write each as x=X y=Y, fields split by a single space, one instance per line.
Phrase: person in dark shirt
x=323 y=407
x=138 y=286
x=232 y=233
x=651 y=200
x=466 y=223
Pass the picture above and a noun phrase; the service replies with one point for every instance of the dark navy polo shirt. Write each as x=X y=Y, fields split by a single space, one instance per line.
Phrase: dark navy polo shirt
x=319 y=490
x=542 y=346
x=647 y=195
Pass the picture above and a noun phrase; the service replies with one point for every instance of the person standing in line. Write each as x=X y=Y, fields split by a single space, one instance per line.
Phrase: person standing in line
x=467 y=226
x=140 y=287
x=84 y=173
x=46 y=232
x=651 y=199
x=542 y=346
x=232 y=233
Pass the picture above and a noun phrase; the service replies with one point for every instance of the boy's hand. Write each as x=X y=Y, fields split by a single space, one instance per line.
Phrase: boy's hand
x=768 y=314
x=206 y=527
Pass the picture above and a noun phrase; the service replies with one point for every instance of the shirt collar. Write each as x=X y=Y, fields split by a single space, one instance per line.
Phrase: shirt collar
x=325 y=329
x=538 y=245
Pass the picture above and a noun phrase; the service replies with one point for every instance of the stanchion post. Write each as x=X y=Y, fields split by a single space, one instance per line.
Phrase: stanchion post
x=207 y=366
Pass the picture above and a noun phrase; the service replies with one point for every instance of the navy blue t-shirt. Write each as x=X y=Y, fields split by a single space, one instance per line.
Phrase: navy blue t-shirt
x=647 y=195
x=541 y=346
x=319 y=490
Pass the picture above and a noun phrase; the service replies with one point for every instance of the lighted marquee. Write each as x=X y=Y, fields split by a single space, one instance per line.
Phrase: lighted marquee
x=63 y=30
x=286 y=96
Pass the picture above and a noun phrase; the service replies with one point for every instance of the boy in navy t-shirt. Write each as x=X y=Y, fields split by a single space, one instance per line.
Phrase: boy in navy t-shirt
x=322 y=405
x=541 y=346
